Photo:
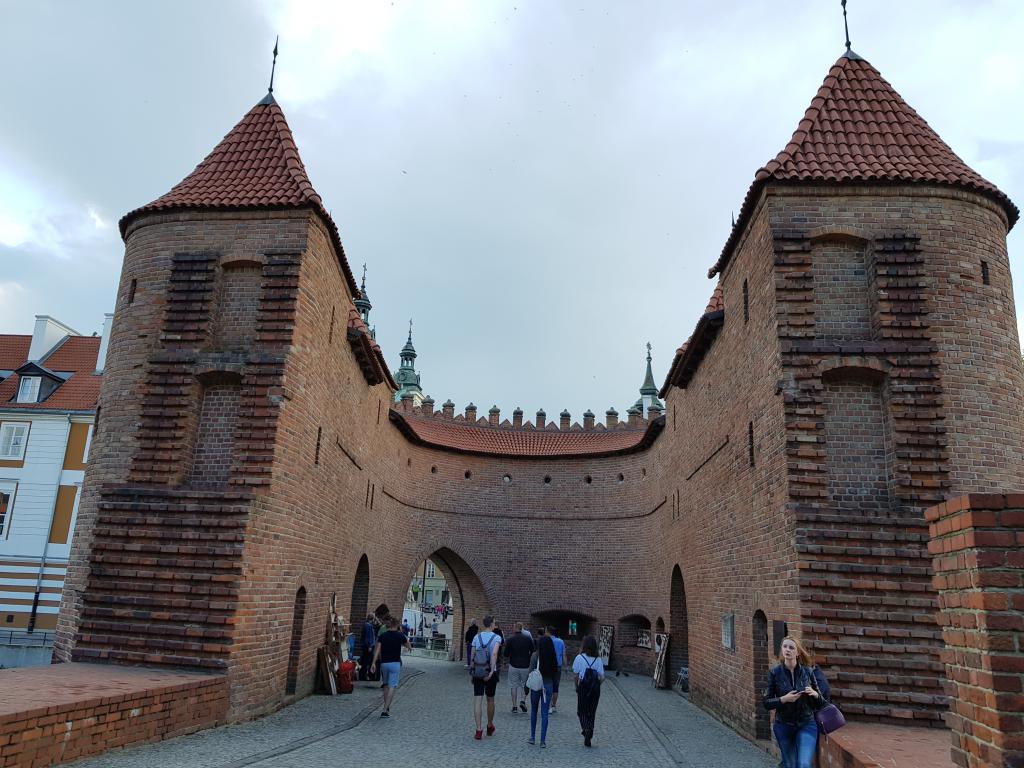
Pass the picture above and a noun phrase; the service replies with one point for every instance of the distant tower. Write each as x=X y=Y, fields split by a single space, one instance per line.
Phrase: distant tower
x=648 y=390
x=363 y=303
x=406 y=377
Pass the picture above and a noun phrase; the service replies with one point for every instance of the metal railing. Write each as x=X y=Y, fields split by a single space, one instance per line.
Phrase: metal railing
x=432 y=643
x=20 y=637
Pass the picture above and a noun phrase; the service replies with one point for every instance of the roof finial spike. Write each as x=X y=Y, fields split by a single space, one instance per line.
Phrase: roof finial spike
x=273 y=65
x=410 y=329
x=846 y=26
x=363 y=286
x=648 y=351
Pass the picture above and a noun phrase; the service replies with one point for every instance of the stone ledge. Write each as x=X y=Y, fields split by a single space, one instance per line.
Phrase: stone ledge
x=64 y=712
x=871 y=745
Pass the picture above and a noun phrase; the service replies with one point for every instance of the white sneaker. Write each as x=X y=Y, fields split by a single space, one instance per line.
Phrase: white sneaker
x=552 y=711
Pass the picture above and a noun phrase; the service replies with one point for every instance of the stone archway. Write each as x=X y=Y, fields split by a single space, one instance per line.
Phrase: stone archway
x=295 y=643
x=468 y=596
x=360 y=593
x=679 y=630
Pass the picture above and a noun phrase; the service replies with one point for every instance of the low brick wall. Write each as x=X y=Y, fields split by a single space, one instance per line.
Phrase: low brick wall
x=978 y=546
x=876 y=745
x=50 y=715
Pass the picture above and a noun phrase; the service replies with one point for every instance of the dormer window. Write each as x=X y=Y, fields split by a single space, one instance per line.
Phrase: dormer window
x=28 y=390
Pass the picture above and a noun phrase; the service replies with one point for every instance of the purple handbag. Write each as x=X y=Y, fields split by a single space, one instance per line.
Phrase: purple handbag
x=829 y=718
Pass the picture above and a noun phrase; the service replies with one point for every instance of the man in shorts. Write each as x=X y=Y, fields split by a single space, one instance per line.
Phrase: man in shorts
x=483 y=669
x=519 y=648
x=560 y=656
x=389 y=654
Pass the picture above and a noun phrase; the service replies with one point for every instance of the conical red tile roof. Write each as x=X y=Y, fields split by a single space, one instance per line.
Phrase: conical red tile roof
x=859 y=130
x=256 y=166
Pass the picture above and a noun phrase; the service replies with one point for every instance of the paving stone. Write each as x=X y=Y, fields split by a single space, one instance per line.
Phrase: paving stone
x=432 y=720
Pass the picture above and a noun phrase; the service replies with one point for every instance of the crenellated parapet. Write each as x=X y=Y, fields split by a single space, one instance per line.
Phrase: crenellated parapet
x=493 y=418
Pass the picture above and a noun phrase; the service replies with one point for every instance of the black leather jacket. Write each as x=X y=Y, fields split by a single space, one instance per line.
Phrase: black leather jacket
x=782 y=681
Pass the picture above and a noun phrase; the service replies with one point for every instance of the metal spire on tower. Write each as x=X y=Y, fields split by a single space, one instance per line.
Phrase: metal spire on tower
x=846 y=26
x=273 y=65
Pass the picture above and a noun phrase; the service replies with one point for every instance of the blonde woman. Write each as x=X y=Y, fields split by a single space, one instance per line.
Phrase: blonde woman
x=796 y=690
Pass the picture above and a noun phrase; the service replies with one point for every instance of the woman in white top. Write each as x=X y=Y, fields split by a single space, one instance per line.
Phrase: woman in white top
x=588 y=672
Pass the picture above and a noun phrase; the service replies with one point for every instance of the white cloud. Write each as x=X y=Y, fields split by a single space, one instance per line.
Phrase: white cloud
x=15 y=312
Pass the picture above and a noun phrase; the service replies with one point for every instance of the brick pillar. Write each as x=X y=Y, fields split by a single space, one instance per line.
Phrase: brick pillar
x=588 y=419
x=542 y=419
x=494 y=416
x=517 y=417
x=427 y=406
x=471 y=413
x=448 y=409
x=564 y=419
x=977 y=545
x=611 y=418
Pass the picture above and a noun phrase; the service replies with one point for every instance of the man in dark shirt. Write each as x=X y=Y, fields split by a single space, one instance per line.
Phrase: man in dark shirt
x=389 y=654
x=519 y=649
x=470 y=634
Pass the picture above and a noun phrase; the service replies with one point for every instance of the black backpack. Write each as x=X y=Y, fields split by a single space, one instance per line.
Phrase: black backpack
x=590 y=681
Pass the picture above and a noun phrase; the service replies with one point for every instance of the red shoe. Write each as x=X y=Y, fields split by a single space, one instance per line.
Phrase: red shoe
x=490 y=729
x=479 y=735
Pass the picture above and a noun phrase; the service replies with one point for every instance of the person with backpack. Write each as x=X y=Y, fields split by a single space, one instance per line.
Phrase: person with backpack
x=544 y=661
x=588 y=672
x=483 y=668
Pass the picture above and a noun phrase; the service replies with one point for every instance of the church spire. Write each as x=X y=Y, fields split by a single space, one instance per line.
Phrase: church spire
x=363 y=302
x=648 y=390
x=649 y=387
x=406 y=377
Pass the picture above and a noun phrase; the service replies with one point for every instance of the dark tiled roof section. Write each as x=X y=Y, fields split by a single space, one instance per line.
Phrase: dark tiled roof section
x=77 y=355
x=523 y=443
x=375 y=356
x=716 y=305
x=256 y=166
x=13 y=351
x=859 y=130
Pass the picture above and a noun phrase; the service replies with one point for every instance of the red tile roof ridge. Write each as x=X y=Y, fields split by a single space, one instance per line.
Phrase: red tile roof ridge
x=831 y=145
x=256 y=166
x=486 y=439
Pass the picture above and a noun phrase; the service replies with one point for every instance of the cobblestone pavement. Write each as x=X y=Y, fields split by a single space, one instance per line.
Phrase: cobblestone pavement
x=432 y=720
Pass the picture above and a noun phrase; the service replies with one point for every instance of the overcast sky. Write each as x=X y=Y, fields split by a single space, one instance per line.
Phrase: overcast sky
x=540 y=185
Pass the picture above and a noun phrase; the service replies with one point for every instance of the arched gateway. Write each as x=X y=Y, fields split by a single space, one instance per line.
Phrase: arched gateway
x=247 y=469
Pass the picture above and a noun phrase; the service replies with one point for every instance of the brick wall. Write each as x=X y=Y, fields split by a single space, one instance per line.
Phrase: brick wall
x=214 y=449
x=54 y=715
x=696 y=528
x=978 y=546
x=858 y=463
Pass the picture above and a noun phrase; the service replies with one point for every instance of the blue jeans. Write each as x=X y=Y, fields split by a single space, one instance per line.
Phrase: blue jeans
x=542 y=703
x=797 y=743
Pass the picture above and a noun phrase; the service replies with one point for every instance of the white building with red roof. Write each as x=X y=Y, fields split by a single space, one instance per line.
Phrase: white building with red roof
x=49 y=386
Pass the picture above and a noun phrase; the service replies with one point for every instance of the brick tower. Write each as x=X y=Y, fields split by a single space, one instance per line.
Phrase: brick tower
x=866 y=285
x=171 y=566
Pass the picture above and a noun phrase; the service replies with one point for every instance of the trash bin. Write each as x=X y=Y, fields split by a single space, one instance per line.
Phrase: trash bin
x=345 y=672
